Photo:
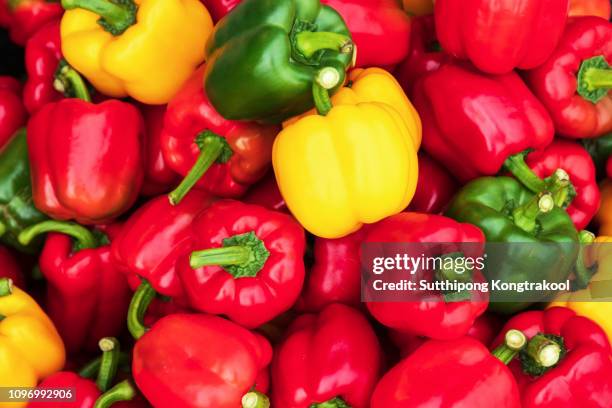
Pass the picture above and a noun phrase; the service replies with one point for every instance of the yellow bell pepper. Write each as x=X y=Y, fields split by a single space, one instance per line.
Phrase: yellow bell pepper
x=354 y=164
x=30 y=347
x=419 y=7
x=601 y=310
x=145 y=49
x=604 y=216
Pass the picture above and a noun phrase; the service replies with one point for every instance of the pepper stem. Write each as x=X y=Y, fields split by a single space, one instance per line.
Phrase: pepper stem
x=542 y=353
x=308 y=43
x=255 y=399
x=115 y=16
x=594 y=79
x=213 y=148
x=123 y=391
x=583 y=274
x=449 y=273
x=516 y=165
x=2 y=228
x=70 y=83
x=141 y=300
x=109 y=362
x=241 y=255
x=84 y=238
x=332 y=403
x=91 y=369
x=6 y=287
x=525 y=216
x=561 y=188
x=514 y=342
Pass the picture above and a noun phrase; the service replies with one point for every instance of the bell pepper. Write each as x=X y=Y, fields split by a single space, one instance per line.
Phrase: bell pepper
x=151 y=240
x=370 y=131
x=507 y=212
x=124 y=48
x=5 y=14
x=30 y=348
x=335 y=275
x=499 y=37
x=27 y=16
x=12 y=113
x=18 y=210
x=158 y=176
x=245 y=262
x=604 y=216
x=330 y=359
x=473 y=122
x=609 y=167
x=380 y=30
x=87 y=296
x=435 y=187
x=201 y=361
x=219 y=8
x=266 y=194
x=440 y=315
x=43 y=54
x=86 y=159
x=566 y=362
x=453 y=373
x=425 y=54
x=600 y=149
x=264 y=57
x=580 y=102
x=221 y=156
x=599 y=8
x=418 y=7
x=9 y=268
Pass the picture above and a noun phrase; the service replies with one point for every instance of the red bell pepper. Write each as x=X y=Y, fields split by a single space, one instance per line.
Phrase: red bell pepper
x=473 y=122
x=201 y=361
x=574 y=83
x=458 y=373
x=424 y=56
x=158 y=177
x=435 y=187
x=222 y=157
x=335 y=276
x=332 y=359
x=5 y=14
x=12 y=113
x=219 y=8
x=87 y=295
x=436 y=316
x=9 y=268
x=245 y=262
x=85 y=390
x=27 y=16
x=42 y=57
x=86 y=159
x=379 y=28
x=151 y=240
x=500 y=36
x=267 y=194
x=599 y=8
x=566 y=363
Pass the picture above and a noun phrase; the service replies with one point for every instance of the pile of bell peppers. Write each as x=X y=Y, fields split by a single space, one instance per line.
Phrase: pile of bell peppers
x=188 y=192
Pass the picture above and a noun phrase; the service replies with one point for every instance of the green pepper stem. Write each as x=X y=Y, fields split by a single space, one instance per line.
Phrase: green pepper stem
x=115 y=16
x=91 y=369
x=6 y=287
x=582 y=272
x=255 y=399
x=332 y=403
x=232 y=255
x=109 y=362
x=123 y=391
x=84 y=238
x=594 y=79
x=544 y=351
x=2 y=229
x=213 y=148
x=321 y=99
x=70 y=83
x=559 y=185
x=525 y=216
x=308 y=43
x=516 y=165
x=514 y=342
x=141 y=300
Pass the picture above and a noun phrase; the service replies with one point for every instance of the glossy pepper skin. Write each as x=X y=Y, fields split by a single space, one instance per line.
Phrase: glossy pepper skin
x=27 y=16
x=255 y=285
x=584 y=367
x=332 y=357
x=87 y=295
x=30 y=348
x=243 y=150
x=263 y=58
x=12 y=112
x=9 y=268
x=604 y=216
x=498 y=37
x=151 y=72
x=203 y=361
x=599 y=8
x=380 y=29
x=219 y=8
x=42 y=55
x=435 y=187
x=90 y=176
x=579 y=102
x=472 y=122
x=18 y=210
x=85 y=391
x=436 y=318
x=151 y=240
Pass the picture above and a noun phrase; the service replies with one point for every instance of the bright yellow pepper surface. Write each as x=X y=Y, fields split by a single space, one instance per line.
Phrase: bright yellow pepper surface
x=30 y=347
x=354 y=166
x=148 y=58
x=604 y=216
x=419 y=7
x=599 y=311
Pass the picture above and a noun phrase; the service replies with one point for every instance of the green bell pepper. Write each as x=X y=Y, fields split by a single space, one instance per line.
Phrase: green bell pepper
x=600 y=149
x=266 y=56
x=17 y=210
x=507 y=212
